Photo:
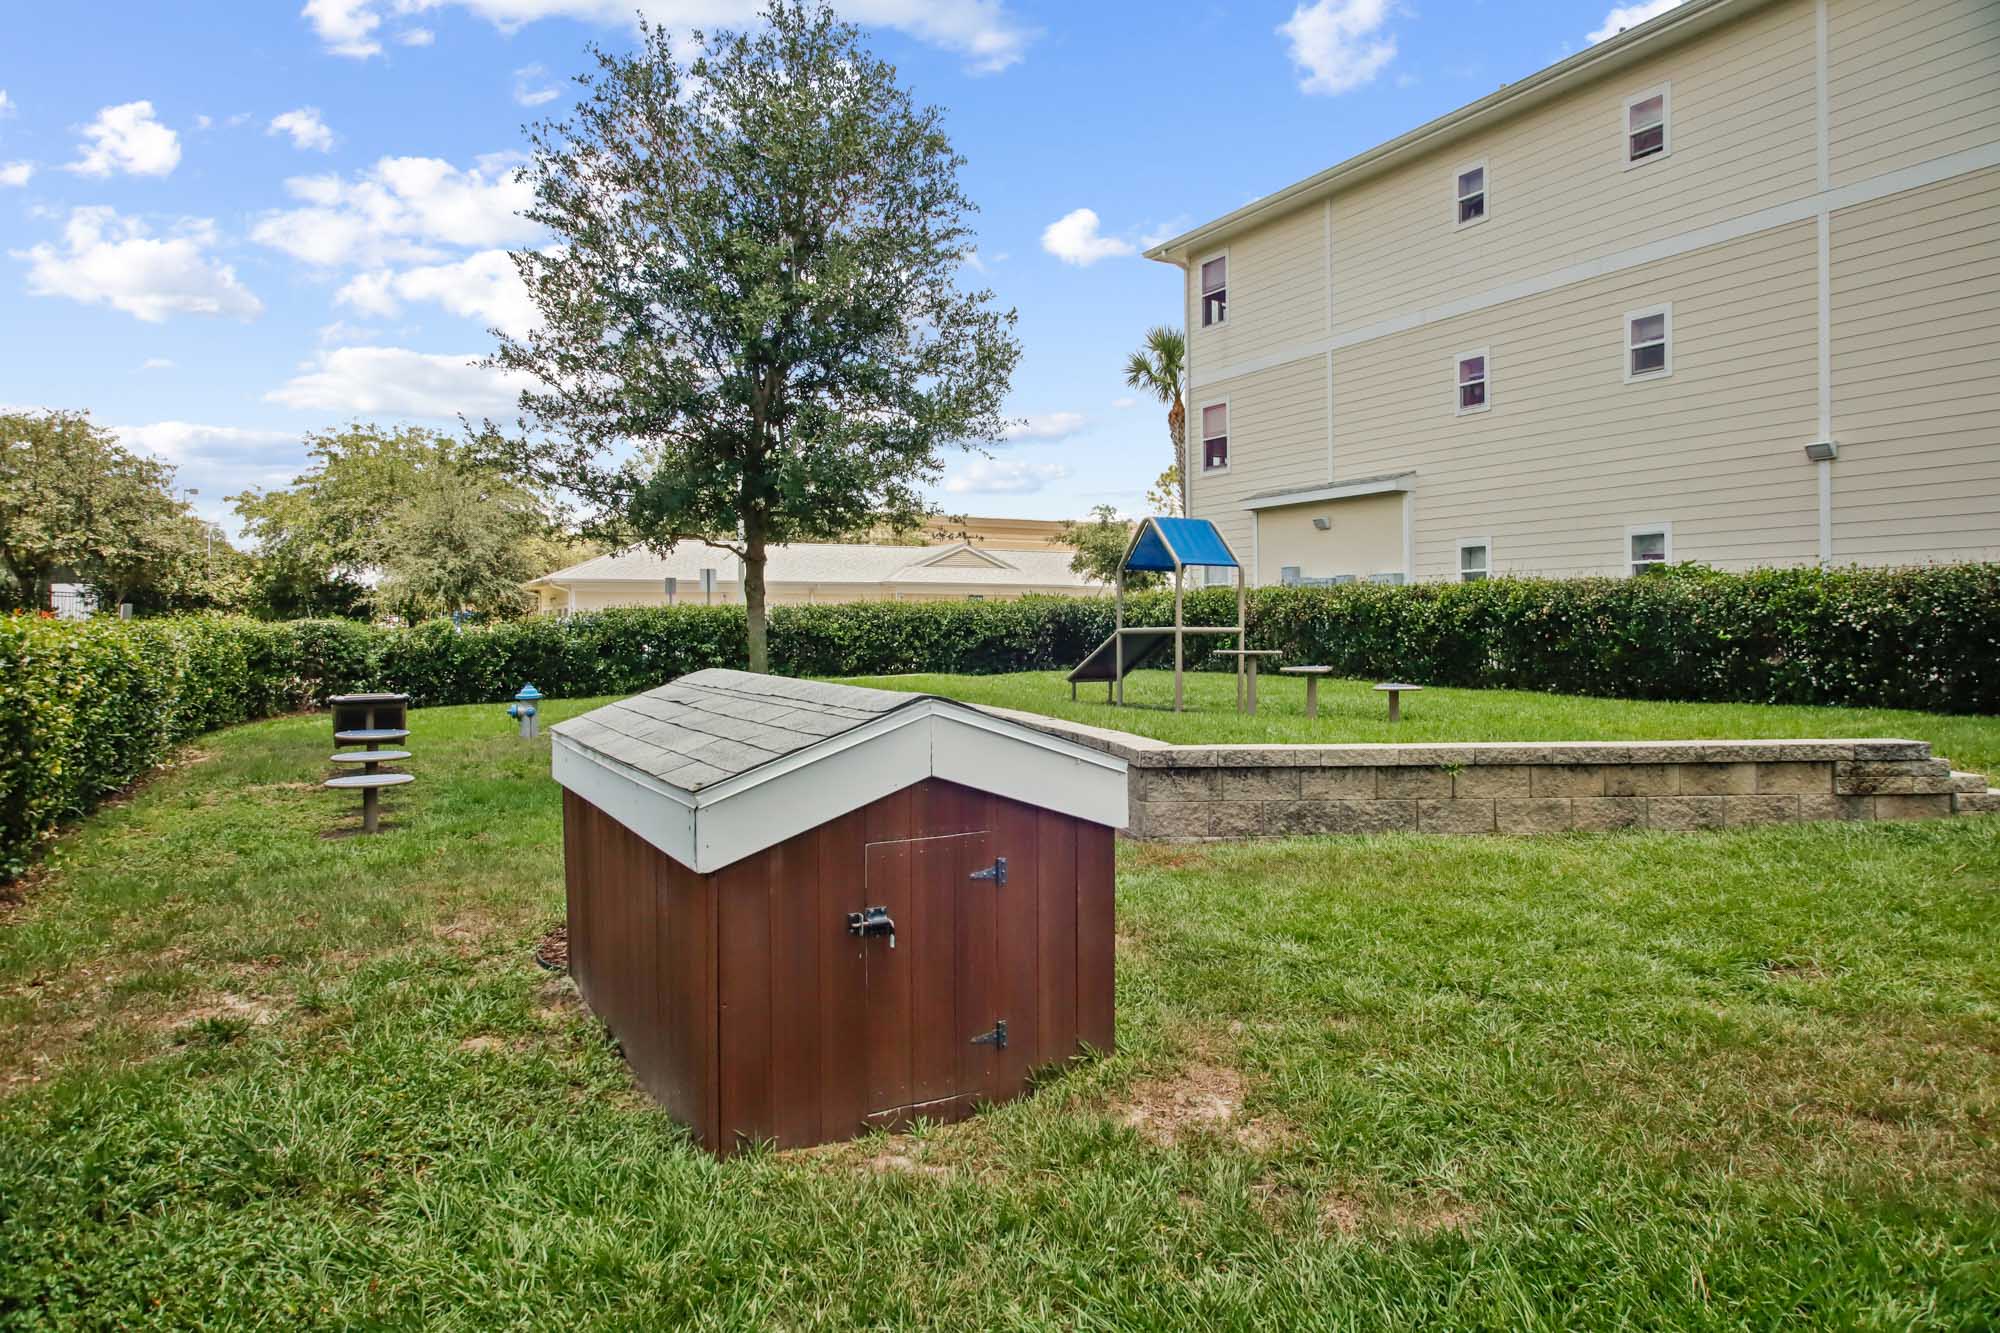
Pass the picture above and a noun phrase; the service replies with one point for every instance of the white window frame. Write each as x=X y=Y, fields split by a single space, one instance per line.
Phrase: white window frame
x=1457 y=400
x=1665 y=92
x=1201 y=435
x=1664 y=528
x=1464 y=543
x=1201 y=297
x=1666 y=370
x=1485 y=194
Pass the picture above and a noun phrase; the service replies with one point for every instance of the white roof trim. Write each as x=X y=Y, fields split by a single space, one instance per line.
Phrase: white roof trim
x=946 y=552
x=1344 y=491
x=1684 y=20
x=739 y=816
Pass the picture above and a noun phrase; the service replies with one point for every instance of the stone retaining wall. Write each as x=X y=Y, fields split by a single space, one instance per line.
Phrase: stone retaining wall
x=1192 y=792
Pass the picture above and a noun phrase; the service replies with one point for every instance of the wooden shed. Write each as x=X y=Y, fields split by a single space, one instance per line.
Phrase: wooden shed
x=805 y=909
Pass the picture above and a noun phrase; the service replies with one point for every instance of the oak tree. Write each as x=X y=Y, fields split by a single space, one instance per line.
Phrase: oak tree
x=751 y=325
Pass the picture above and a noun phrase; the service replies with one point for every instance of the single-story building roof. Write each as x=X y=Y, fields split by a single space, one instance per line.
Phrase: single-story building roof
x=810 y=572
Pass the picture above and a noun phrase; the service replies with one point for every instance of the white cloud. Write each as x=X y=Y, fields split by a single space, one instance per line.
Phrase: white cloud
x=182 y=441
x=526 y=93
x=401 y=210
x=1630 y=16
x=308 y=131
x=397 y=381
x=985 y=32
x=6 y=104
x=1335 y=43
x=347 y=27
x=156 y=363
x=128 y=138
x=1045 y=427
x=117 y=262
x=483 y=286
x=16 y=173
x=1124 y=404
x=1074 y=239
x=415 y=37
x=987 y=476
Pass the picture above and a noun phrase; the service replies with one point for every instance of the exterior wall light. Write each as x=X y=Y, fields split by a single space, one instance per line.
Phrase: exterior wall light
x=1822 y=451
x=1322 y=523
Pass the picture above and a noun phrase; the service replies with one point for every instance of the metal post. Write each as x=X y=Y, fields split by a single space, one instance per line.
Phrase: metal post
x=1179 y=637
x=371 y=809
x=1117 y=693
x=1242 y=638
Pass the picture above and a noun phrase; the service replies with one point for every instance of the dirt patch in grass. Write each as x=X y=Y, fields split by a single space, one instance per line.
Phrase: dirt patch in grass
x=1203 y=1100
x=553 y=951
x=1349 y=1213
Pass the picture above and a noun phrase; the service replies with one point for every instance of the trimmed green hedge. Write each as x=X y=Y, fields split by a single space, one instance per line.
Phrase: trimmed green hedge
x=87 y=708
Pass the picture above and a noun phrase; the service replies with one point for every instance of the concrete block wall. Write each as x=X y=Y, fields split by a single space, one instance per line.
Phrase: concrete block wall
x=1182 y=793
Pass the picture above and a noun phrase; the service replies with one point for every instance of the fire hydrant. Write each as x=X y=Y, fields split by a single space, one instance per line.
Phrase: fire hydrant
x=523 y=708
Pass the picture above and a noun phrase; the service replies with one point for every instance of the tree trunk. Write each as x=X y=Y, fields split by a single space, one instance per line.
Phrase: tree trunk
x=1177 y=429
x=756 y=633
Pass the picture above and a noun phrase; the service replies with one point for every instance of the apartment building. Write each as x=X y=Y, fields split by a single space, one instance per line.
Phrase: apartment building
x=1724 y=287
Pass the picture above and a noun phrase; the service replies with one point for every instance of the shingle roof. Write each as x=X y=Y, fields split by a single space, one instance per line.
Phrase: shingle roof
x=716 y=724
x=831 y=562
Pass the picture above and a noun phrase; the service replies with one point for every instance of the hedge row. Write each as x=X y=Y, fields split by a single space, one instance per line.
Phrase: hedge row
x=87 y=708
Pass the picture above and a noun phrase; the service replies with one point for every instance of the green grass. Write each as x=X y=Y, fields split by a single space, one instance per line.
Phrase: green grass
x=1351 y=711
x=1750 y=1079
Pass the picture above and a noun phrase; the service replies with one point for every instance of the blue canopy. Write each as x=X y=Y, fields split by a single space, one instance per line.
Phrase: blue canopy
x=1194 y=540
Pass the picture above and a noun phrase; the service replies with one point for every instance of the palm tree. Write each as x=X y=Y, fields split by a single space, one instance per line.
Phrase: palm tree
x=1160 y=368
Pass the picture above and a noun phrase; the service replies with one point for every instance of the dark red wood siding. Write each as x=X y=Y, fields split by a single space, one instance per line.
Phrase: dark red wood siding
x=749 y=1011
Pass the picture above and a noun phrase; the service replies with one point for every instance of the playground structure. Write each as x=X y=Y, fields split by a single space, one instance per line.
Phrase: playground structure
x=369 y=720
x=1163 y=545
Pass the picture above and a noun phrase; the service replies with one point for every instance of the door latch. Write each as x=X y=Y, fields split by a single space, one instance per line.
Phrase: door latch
x=872 y=921
x=997 y=1038
x=997 y=872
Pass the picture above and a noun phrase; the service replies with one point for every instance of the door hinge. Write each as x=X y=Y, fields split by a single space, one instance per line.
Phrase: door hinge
x=997 y=872
x=997 y=1038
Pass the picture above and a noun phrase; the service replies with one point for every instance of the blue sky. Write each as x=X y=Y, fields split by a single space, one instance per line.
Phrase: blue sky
x=223 y=224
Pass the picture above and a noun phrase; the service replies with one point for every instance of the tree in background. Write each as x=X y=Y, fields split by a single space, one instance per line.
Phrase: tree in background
x=1159 y=368
x=72 y=499
x=752 y=330
x=1100 y=548
x=462 y=539
x=407 y=521
x=180 y=562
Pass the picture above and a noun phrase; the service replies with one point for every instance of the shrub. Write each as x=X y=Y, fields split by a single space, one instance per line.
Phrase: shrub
x=86 y=708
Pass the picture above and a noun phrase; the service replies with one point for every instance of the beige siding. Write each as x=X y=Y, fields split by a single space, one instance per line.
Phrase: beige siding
x=1910 y=81
x=1277 y=440
x=1277 y=290
x=1743 y=135
x=1916 y=384
x=1364 y=536
x=1569 y=454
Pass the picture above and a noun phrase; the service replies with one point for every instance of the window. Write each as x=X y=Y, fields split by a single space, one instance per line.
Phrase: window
x=1650 y=545
x=1649 y=341
x=1648 y=132
x=1471 y=381
x=1215 y=291
x=1214 y=437
x=1470 y=184
x=1475 y=559
x=1215 y=576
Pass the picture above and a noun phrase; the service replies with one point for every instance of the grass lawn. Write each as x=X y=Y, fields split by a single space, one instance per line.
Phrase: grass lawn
x=1351 y=711
x=249 y=1075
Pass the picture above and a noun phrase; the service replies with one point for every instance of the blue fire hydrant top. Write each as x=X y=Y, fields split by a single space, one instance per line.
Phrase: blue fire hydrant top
x=528 y=693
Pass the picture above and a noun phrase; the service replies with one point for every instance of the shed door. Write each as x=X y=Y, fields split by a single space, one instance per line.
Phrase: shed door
x=931 y=996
